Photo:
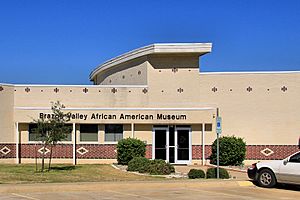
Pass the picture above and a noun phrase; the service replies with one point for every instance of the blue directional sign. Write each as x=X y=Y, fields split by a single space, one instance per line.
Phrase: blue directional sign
x=219 y=125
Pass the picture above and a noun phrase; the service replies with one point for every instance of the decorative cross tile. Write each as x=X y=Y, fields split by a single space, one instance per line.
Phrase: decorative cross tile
x=267 y=152
x=145 y=90
x=174 y=70
x=85 y=90
x=1 y=88
x=56 y=90
x=5 y=150
x=82 y=150
x=27 y=89
x=114 y=90
x=249 y=89
x=180 y=90
x=46 y=150
x=284 y=88
x=214 y=89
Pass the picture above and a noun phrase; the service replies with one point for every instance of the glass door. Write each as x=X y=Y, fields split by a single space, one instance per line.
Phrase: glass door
x=160 y=143
x=183 y=154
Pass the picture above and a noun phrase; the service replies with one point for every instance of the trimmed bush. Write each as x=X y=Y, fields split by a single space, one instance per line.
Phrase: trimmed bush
x=160 y=167
x=129 y=148
x=232 y=151
x=196 y=173
x=212 y=173
x=139 y=164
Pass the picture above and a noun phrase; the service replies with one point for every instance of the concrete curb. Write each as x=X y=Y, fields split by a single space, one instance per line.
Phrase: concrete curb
x=228 y=168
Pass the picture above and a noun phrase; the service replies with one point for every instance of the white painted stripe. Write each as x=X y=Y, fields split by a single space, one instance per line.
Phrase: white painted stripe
x=23 y=196
x=130 y=109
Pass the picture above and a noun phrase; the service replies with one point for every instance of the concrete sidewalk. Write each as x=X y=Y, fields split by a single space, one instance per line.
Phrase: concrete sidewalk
x=235 y=174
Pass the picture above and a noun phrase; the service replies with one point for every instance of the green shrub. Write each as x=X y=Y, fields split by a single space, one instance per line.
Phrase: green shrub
x=232 y=151
x=196 y=173
x=129 y=148
x=160 y=167
x=212 y=173
x=139 y=164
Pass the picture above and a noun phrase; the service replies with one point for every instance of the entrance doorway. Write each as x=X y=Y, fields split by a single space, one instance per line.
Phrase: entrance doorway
x=172 y=143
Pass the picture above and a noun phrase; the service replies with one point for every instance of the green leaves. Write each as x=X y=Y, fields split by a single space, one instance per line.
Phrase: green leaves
x=232 y=151
x=129 y=148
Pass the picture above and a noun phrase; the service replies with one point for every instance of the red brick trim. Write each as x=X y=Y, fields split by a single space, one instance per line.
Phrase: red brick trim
x=253 y=152
x=108 y=151
x=11 y=151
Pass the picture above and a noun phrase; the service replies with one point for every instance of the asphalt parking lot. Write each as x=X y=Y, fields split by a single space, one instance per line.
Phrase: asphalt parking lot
x=159 y=190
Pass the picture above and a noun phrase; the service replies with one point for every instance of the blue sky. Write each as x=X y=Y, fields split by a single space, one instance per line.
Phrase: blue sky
x=60 y=42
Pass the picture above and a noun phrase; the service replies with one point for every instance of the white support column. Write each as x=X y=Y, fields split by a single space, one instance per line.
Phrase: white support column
x=203 y=144
x=132 y=130
x=74 y=143
x=17 y=142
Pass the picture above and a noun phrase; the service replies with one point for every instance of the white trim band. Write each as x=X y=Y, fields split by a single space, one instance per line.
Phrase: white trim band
x=132 y=109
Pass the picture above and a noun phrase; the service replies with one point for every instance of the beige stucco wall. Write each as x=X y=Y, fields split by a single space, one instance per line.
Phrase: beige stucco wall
x=265 y=115
x=7 y=114
x=133 y=72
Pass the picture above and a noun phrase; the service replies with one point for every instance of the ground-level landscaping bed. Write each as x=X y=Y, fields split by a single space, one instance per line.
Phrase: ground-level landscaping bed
x=25 y=173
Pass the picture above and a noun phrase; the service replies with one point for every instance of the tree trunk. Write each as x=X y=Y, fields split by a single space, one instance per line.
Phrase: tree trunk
x=50 y=157
x=35 y=155
x=43 y=157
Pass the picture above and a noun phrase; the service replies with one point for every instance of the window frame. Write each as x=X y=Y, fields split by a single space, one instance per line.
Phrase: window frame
x=89 y=142
x=114 y=141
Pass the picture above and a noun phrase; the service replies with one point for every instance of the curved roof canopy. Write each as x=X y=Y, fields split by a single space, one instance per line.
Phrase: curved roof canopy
x=167 y=48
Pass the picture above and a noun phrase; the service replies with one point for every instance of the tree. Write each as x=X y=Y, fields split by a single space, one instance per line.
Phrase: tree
x=232 y=151
x=57 y=127
x=53 y=130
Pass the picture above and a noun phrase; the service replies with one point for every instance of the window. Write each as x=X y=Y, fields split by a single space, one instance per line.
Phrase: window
x=68 y=135
x=295 y=158
x=89 y=132
x=113 y=132
x=33 y=136
x=208 y=127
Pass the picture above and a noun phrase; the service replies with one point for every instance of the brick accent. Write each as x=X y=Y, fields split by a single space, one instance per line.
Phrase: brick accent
x=97 y=151
x=280 y=152
x=149 y=151
x=197 y=152
x=59 y=151
x=253 y=152
x=11 y=154
x=108 y=151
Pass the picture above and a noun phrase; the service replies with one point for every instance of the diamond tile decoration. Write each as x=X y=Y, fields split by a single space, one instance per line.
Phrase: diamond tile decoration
x=5 y=150
x=180 y=90
x=214 y=89
x=56 y=90
x=267 y=152
x=82 y=150
x=249 y=89
x=145 y=90
x=27 y=89
x=44 y=149
x=284 y=89
x=114 y=90
x=85 y=90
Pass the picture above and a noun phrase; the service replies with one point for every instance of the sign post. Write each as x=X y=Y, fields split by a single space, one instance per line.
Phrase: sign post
x=219 y=131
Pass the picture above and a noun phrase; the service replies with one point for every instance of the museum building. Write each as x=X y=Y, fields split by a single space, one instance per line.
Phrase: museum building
x=156 y=94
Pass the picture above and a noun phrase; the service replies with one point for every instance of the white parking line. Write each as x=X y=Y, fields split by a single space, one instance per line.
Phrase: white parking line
x=23 y=196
